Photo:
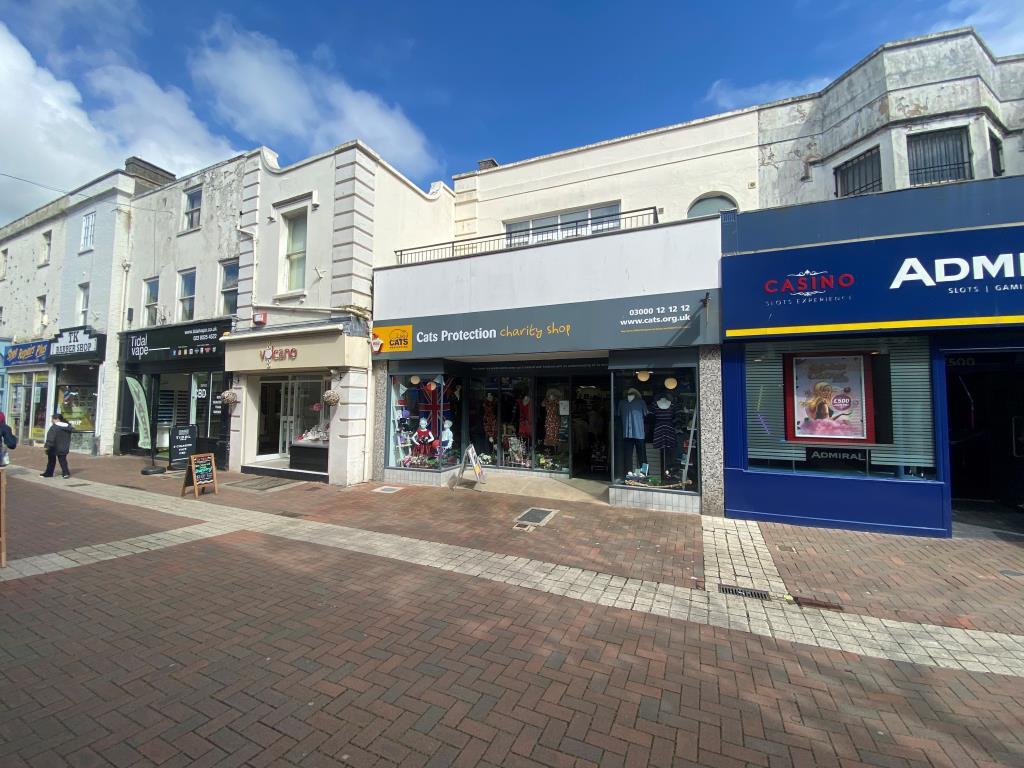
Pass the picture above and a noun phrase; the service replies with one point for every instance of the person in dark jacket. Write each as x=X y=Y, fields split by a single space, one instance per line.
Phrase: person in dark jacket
x=57 y=445
x=8 y=441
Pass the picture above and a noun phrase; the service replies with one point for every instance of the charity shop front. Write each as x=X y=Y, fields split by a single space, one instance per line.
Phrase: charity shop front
x=301 y=400
x=594 y=374
x=173 y=375
x=876 y=383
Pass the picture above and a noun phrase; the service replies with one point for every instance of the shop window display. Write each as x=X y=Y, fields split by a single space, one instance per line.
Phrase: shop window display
x=76 y=400
x=551 y=425
x=850 y=407
x=517 y=409
x=656 y=434
x=426 y=418
x=483 y=418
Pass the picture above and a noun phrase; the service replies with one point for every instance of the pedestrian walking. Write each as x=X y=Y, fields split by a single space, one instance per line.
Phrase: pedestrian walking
x=57 y=445
x=8 y=441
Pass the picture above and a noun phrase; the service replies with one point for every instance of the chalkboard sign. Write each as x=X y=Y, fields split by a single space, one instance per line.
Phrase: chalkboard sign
x=183 y=441
x=200 y=473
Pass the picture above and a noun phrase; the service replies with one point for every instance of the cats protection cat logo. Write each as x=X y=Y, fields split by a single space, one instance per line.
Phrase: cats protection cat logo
x=391 y=338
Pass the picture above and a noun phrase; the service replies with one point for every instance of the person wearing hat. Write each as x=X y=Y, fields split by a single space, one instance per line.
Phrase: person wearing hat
x=57 y=445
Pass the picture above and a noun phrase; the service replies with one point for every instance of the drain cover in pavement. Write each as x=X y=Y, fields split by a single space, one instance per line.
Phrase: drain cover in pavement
x=522 y=527
x=261 y=483
x=758 y=594
x=1008 y=572
x=536 y=516
x=786 y=548
x=386 y=489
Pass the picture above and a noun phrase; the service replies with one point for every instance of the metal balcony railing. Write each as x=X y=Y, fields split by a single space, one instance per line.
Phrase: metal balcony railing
x=554 y=233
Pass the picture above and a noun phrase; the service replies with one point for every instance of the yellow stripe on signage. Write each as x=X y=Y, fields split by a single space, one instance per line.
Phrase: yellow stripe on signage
x=876 y=326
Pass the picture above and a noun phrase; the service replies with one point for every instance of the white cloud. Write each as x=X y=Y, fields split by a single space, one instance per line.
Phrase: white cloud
x=49 y=136
x=266 y=93
x=999 y=22
x=75 y=33
x=726 y=95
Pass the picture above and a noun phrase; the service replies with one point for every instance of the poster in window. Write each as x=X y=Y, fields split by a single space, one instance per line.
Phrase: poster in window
x=829 y=398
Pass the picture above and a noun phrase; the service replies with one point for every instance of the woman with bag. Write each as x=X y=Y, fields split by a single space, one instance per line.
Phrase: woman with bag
x=8 y=441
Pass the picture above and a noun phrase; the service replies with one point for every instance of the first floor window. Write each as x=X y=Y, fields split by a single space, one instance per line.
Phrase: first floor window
x=561 y=226
x=229 y=287
x=44 y=255
x=186 y=294
x=995 y=148
x=860 y=175
x=83 y=303
x=150 y=299
x=41 y=313
x=295 y=251
x=939 y=156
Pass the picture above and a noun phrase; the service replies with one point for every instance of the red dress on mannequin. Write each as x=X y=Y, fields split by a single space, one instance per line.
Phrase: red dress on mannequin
x=525 y=422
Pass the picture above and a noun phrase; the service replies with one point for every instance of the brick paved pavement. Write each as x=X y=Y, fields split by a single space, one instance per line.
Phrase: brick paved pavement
x=946 y=582
x=246 y=649
x=924 y=644
x=952 y=582
x=39 y=522
x=644 y=545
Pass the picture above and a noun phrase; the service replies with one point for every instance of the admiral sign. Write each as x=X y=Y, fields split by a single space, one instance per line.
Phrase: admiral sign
x=946 y=280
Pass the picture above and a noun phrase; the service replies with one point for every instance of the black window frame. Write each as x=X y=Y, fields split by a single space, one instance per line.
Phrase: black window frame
x=859 y=169
x=944 y=161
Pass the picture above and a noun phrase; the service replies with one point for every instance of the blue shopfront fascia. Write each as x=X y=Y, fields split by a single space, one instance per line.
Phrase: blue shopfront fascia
x=888 y=505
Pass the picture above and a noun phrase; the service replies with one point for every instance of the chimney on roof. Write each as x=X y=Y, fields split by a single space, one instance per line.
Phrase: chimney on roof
x=147 y=173
x=487 y=162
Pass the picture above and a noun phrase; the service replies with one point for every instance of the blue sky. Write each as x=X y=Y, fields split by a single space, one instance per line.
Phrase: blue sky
x=434 y=87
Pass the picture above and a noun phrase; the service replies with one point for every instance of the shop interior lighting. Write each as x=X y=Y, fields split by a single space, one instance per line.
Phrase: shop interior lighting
x=671 y=383
x=414 y=380
x=643 y=375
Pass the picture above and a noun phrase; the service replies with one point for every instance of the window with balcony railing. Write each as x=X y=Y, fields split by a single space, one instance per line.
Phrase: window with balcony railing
x=553 y=228
x=939 y=156
x=561 y=226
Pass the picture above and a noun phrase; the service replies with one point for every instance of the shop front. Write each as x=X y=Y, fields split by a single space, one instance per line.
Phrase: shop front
x=173 y=375
x=29 y=397
x=296 y=388
x=77 y=357
x=593 y=360
x=876 y=384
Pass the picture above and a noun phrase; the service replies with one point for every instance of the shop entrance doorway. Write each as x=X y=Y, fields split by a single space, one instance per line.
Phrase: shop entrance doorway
x=269 y=432
x=591 y=417
x=985 y=394
x=289 y=409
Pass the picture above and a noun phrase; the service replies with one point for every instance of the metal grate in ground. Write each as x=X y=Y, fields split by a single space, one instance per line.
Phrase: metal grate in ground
x=387 y=489
x=757 y=594
x=536 y=516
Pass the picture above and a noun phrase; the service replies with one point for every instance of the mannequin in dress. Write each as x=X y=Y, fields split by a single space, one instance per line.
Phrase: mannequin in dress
x=490 y=406
x=664 y=431
x=632 y=411
x=423 y=440
x=525 y=411
x=551 y=418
